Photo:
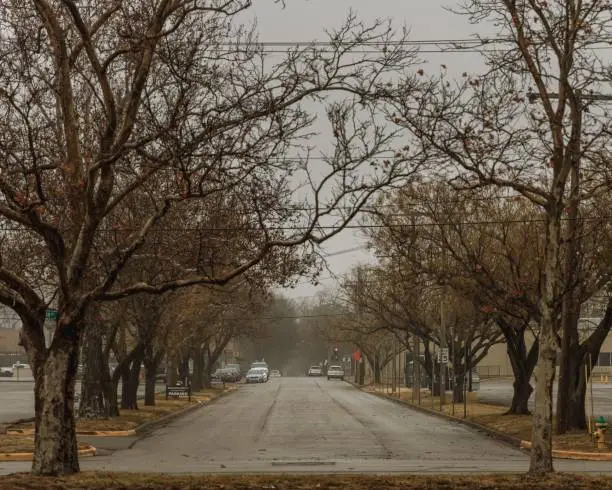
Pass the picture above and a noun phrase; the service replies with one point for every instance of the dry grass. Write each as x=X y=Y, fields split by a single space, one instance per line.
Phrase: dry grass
x=130 y=419
x=21 y=444
x=495 y=417
x=93 y=480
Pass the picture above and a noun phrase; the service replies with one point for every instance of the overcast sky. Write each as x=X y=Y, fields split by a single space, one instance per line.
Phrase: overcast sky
x=306 y=20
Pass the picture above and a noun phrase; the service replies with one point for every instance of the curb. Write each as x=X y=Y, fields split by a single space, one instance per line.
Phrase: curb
x=87 y=452
x=98 y=433
x=579 y=455
x=508 y=439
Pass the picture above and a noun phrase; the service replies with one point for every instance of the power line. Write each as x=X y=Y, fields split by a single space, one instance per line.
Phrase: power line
x=335 y=227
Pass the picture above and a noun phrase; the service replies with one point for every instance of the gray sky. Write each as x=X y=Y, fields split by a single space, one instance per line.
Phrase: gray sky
x=306 y=20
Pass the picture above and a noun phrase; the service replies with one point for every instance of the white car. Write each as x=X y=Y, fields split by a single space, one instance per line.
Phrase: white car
x=275 y=373
x=257 y=375
x=262 y=365
x=315 y=371
x=20 y=365
x=336 y=372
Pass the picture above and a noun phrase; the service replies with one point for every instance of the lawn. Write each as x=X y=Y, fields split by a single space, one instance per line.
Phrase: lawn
x=100 y=481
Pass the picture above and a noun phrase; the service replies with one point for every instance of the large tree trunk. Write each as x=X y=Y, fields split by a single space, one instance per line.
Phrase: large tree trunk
x=575 y=417
x=198 y=370
x=151 y=365
x=459 y=389
x=541 y=439
x=571 y=353
x=129 y=399
x=150 y=374
x=521 y=392
x=55 y=431
x=523 y=363
x=94 y=403
x=570 y=364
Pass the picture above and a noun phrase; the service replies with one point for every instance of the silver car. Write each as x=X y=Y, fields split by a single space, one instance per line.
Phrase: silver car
x=256 y=375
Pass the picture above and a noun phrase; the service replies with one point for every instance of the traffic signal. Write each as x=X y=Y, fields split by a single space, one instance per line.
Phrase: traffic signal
x=336 y=354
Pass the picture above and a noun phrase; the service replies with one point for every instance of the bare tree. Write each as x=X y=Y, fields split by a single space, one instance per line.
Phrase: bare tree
x=180 y=105
x=527 y=124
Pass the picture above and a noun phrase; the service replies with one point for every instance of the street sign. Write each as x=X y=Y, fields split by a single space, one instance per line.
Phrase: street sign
x=444 y=351
x=51 y=314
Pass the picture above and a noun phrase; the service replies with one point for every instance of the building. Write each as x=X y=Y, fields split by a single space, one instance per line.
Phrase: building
x=497 y=362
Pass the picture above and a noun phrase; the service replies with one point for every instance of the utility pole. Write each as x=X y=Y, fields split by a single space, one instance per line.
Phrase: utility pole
x=442 y=347
x=416 y=368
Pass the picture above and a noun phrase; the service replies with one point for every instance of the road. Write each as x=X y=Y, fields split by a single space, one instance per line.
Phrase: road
x=500 y=391
x=310 y=425
x=314 y=425
x=17 y=399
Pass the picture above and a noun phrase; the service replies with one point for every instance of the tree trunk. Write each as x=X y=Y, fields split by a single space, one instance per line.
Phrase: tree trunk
x=207 y=369
x=150 y=374
x=183 y=369
x=125 y=382
x=573 y=407
x=94 y=403
x=171 y=377
x=198 y=370
x=570 y=364
x=571 y=355
x=523 y=363
x=151 y=361
x=541 y=439
x=522 y=391
x=129 y=398
x=458 y=389
x=55 y=431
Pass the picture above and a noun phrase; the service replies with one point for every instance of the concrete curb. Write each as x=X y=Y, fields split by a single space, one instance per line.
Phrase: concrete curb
x=98 y=433
x=87 y=452
x=580 y=455
x=508 y=439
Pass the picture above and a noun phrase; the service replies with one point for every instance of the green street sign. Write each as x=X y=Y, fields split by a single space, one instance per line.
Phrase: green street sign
x=51 y=314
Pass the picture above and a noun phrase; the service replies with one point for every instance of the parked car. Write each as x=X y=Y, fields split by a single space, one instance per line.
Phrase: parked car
x=315 y=371
x=227 y=375
x=6 y=372
x=256 y=375
x=20 y=365
x=275 y=373
x=262 y=365
x=335 y=372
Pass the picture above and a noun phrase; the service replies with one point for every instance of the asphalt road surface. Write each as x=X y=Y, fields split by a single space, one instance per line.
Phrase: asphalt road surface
x=17 y=399
x=310 y=425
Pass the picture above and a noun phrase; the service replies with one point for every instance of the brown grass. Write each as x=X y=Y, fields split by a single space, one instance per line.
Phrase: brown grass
x=21 y=444
x=495 y=417
x=130 y=419
x=94 y=480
